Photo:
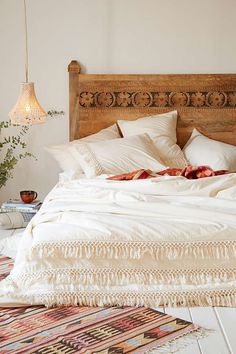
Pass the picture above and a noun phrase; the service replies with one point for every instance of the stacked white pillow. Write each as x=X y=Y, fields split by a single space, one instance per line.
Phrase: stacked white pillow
x=201 y=150
x=118 y=156
x=63 y=153
x=148 y=142
x=162 y=130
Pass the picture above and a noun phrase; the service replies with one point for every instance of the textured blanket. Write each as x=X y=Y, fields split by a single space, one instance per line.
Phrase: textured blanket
x=167 y=241
x=189 y=172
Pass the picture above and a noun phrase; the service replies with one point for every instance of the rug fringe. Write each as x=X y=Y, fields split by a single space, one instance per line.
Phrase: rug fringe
x=136 y=250
x=180 y=342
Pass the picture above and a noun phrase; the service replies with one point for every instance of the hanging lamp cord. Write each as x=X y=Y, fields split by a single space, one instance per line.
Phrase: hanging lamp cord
x=26 y=45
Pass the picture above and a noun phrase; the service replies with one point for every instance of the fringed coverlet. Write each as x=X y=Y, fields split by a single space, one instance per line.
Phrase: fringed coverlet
x=167 y=241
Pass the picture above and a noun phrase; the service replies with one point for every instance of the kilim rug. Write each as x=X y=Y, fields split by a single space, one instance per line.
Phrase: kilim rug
x=68 y=330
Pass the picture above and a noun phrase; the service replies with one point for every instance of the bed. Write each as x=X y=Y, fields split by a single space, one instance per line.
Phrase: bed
x=166 y=241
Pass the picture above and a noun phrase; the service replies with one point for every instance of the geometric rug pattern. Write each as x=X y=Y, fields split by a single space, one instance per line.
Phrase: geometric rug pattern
x=87 y=330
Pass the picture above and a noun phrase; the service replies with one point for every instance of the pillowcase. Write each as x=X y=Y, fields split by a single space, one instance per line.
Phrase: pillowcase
x=62 y=153
x=162 y=130
x=118 y=156
x=200 y=150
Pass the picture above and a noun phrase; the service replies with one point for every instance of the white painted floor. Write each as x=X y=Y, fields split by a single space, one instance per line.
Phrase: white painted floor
x=221 y=320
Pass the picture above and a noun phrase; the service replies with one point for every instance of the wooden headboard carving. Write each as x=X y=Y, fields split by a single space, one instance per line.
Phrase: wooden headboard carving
x=207 y=102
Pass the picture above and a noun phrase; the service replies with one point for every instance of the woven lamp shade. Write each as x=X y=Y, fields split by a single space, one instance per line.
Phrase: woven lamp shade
x=27 y=109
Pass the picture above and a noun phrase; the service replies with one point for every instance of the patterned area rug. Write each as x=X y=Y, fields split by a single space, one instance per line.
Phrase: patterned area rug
x=68 y=330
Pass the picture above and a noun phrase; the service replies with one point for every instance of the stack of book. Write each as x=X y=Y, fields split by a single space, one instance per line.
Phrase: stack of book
x=18 y=205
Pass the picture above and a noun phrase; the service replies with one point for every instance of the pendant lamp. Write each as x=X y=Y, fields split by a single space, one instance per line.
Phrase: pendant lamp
x=27 y=109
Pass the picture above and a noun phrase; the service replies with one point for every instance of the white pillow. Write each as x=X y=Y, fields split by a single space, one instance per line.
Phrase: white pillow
x=109 y=133
x=64 y=158
x=162 y=130
x=62 y=153
x=118 y=156
x=201 y=150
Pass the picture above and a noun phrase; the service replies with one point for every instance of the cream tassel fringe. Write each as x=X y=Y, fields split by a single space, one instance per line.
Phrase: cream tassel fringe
x=136 y=250
x=184 y=298
x=114 y=276
x=155 y=299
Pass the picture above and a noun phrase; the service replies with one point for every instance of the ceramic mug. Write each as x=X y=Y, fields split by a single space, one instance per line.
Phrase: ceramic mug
x=28 y=196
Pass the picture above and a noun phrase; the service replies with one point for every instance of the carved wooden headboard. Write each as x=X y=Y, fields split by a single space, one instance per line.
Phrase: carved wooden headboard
x=207 y=102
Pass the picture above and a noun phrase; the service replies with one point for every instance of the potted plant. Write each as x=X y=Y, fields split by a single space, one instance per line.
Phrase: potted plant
x=13 y=148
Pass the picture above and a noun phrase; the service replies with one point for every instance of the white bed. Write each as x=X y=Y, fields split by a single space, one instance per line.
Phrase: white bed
x=166 y=241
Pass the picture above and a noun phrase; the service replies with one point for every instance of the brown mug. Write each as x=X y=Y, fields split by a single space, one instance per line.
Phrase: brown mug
x=28 y=196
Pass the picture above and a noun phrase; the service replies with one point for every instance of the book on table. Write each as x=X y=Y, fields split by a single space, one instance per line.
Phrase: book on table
x=18 y=205
x=17 y=214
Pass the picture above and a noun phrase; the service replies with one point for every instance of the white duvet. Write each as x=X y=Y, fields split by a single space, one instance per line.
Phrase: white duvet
x=164 y=241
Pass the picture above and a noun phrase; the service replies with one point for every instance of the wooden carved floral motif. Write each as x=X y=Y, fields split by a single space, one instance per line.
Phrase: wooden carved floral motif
x=141 y=99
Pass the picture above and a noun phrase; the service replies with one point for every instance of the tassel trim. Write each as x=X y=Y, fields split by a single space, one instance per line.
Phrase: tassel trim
x=148 y=299
x=88 y=160
x=136 y=250
x=184 y=298
x=114 y=276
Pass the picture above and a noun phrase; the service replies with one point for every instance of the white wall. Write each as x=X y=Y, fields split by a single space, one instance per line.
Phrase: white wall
x=107 y=36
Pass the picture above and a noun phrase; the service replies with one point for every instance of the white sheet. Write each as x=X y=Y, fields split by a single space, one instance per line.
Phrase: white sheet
x=166 y=241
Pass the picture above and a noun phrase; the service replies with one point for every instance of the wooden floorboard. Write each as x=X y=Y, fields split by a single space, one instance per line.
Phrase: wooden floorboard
x=215 y=342
x=227 y=321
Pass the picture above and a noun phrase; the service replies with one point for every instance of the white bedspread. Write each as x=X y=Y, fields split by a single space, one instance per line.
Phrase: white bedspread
x=165 y=241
